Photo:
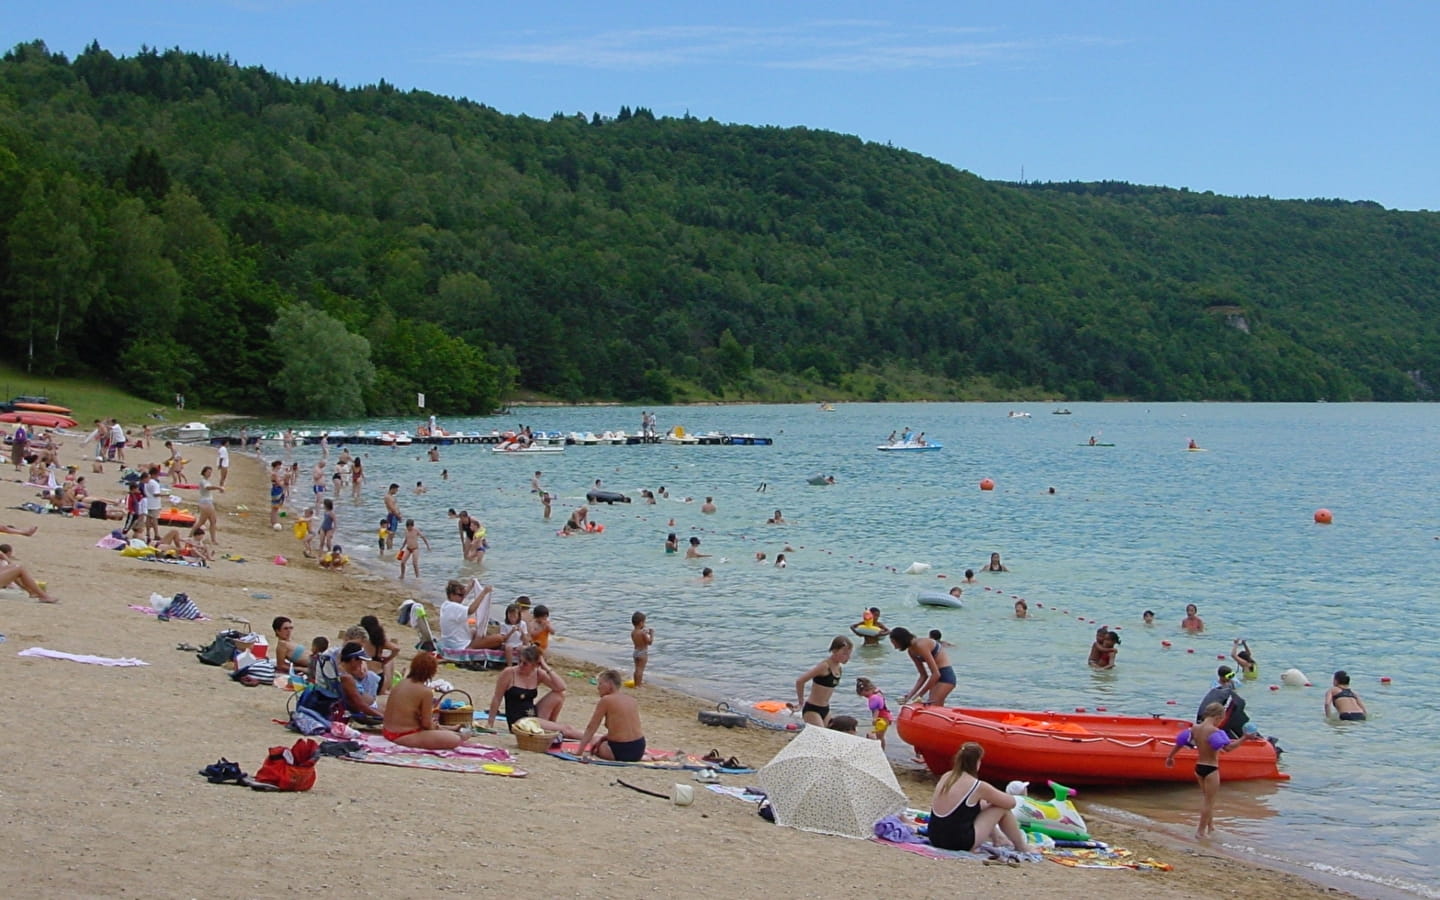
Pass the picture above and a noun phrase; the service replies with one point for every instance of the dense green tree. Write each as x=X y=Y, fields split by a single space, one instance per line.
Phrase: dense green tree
x=323 y=370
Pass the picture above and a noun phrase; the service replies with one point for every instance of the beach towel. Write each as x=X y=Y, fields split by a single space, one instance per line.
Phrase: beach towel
x=1103 y=857
x=151 y=611
x=466 y=765
x=173 y=560
x=42 y=653
x=487 y=659
x=375 y=743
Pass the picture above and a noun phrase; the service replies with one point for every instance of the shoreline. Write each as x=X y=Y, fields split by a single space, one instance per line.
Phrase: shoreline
x=144 y=732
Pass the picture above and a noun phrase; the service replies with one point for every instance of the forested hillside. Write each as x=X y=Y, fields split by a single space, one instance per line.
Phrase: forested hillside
x=184 y=223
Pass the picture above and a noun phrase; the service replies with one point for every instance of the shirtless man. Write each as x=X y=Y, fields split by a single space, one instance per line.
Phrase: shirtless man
x=1346 y=702
x=708 y=506
x=624 y=739
x=392 y=514
x=1192 y=621
x=410 y=711
x=410 y=548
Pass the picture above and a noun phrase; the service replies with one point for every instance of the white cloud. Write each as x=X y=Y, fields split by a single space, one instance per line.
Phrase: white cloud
x=847 y=44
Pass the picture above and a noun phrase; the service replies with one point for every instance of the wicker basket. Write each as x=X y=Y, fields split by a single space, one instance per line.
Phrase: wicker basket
x=535 y=743
x=459 y=715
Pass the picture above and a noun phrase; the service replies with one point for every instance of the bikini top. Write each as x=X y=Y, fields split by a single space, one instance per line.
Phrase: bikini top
x=830 y=681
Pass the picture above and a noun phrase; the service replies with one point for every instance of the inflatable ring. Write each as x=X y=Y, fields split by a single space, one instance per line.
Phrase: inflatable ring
x=721 y=715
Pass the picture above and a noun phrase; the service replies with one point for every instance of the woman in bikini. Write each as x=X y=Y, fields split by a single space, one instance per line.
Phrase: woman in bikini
x=1210 y=740
x=410 y=711
x=965 y=810
x=823 y=678
x=381 y=650
x=205 y=506
x=937 y=676
x=287 y=652
x=519 y=686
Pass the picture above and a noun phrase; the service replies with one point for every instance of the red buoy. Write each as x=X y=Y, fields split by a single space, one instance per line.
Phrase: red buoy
x=1324 y=517
x=987 y=484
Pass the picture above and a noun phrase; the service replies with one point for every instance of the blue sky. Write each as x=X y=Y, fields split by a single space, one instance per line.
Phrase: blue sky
x=1278 y=98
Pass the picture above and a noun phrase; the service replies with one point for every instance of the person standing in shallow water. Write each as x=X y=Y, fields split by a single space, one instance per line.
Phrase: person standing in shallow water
x=1210 y=740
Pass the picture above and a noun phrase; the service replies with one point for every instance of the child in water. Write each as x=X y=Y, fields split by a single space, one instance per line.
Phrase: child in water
x=880 y=713
x=1244 y=659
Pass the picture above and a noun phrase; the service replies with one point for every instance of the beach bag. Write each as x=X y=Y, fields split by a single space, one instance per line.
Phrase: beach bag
x=291 y=768
x=182 y=607
x=219 y=651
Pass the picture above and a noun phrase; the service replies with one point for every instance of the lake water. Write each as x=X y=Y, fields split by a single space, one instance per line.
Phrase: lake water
x=1140 y=525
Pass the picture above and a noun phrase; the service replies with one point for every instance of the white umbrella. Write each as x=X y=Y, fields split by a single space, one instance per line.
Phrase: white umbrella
x=831 y=783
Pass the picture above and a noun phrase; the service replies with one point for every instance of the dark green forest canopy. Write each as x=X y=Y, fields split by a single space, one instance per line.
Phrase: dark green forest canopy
x=171 y=219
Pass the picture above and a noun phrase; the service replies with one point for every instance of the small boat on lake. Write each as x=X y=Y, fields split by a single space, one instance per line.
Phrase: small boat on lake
x=1075 y=748
x=1059 y=412
x=1018 y=414
x=911 y=446
x=194 y=431
x=517 y=447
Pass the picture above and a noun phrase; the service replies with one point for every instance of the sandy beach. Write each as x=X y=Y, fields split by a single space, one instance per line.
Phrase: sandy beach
x=102 y=796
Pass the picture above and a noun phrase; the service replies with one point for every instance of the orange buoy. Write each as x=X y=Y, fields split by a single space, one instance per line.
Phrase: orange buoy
x=1165 y=643
x=1170 y=703
x=987 y=484
x=1274 y=687
x=1384 y=679
x=1324 y=517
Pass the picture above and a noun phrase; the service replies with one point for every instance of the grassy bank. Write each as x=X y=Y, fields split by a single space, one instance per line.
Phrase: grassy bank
x=91 y=398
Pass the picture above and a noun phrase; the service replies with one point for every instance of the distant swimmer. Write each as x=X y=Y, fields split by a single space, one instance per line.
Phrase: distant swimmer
x=1346 y=702
x=1148 y=617
x=1192 y=621
x=694 y=551
x=970 y=577
x=707 y=575
x=1022 y=609
x=994 y=565
x=1193 y=445
x=708 y=506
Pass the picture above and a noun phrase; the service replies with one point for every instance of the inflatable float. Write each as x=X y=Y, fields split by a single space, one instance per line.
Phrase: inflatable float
x=939 y=598
x=1080 y=748
x=722 y=715
x=515 y=447
x=607 y=497
x=175 y=516
x=1057 y=818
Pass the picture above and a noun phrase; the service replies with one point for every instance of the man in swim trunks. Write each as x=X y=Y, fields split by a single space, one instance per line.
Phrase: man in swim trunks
x=624 y=739
x=1210 y=740
x=392 y=514
x=1345 y=701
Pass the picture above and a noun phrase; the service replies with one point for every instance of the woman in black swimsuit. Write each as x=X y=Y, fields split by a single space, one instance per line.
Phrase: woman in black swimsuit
x=519 y=685
x=994 y=565
x=824 y=678
x=965 y=810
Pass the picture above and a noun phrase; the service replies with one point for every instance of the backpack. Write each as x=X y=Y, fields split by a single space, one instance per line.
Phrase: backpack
x=219 y=651
x=290 y=768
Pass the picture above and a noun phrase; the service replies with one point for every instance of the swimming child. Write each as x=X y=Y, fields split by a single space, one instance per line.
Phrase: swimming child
x=513 y=634
x=870 y=628
x=780 y=562
x=880 y=713
x=936 y=637
x=1022 y=609
x=1148 y=617
x=335 y=560
x=641 y=636
x=1244 y=659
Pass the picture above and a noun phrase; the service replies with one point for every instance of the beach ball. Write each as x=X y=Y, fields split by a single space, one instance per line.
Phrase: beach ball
x=987 y=484
x=1324 y=517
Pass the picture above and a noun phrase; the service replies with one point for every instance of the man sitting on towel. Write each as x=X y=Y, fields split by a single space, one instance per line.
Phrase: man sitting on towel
x=624 y=739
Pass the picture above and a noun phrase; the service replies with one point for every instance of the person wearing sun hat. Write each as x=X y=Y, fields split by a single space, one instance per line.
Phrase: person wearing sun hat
x=358 y=685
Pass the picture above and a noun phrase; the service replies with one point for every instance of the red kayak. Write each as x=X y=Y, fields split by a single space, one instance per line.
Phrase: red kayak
x=38 y=419
x=1073 y=748
x=22 y=406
